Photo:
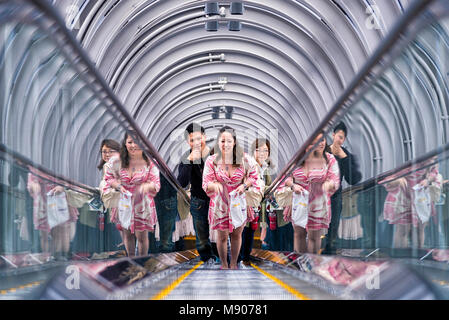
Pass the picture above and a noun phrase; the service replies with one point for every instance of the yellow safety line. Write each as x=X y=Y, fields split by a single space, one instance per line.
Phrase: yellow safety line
x=161 y=295
x=293 y=291
x=28 y=285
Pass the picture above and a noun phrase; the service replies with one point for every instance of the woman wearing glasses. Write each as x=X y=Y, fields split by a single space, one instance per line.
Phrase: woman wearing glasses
x=40 y=186
x=109 y=148
x=320 y=176
x=260 y=150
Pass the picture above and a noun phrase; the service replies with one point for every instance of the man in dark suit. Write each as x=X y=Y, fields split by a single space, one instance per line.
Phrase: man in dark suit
x=349 y=171
x=191 y=172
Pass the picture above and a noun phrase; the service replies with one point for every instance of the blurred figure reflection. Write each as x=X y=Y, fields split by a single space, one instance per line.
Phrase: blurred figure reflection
x=109 y=148
x=320 y=176
x=400 y=209
x=134 y=173
x=42 y=190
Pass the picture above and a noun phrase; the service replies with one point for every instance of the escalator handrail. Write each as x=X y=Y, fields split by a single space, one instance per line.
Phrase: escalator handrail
x=414 y=163
x=59 y=179
x=116 y=108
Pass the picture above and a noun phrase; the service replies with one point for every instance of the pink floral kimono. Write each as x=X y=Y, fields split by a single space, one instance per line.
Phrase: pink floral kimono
x=143 y=206
x=40 y=218
x=319 y=202
x=219 y=210
x=398 y=206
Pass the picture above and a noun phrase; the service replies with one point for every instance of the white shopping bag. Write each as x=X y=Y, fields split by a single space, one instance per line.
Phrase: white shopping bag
x=238 y=209
x=422 y=203
x=57 y=209
x=125 y=209
x=300 y=208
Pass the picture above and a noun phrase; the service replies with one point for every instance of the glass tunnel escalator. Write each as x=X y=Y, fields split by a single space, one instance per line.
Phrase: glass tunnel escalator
x=392 y=240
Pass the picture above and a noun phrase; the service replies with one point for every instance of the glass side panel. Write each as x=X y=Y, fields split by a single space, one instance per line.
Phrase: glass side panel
x=391 y=195
x=52 y=130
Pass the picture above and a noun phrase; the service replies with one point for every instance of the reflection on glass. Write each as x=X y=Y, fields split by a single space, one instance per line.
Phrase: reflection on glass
x=54 y=213
x=40 y=214
x=134 y=181
x=52 y=117
x=393 y=199
x=410 y=203
x=312 y=184
x=398 y=121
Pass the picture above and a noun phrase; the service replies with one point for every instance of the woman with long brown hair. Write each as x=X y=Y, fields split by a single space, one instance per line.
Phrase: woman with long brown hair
x=133 y=172
x=319 y=175
x=260 y=151
x=108 y=148
x=228 y=169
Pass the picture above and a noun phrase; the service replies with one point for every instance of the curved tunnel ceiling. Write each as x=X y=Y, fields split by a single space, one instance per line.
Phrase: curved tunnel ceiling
x=280 y=75
x=283 y=70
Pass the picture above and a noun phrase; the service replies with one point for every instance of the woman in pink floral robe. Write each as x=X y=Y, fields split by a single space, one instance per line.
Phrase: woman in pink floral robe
x=227 y=170
x=38 y=185
x=319 y=175
x=398 y=207
x=134 y=173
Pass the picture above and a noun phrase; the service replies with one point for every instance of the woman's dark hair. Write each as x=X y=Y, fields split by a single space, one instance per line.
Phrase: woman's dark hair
x=111 y=144
x=237 y=152
x=341 y=126
x=124 y=156
x=260 y=142
x=327 y=149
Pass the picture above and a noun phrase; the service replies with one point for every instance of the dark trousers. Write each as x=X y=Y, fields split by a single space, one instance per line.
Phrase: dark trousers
x=199 y=209
x=280 y=239
x=331 y=237
x=167 y=211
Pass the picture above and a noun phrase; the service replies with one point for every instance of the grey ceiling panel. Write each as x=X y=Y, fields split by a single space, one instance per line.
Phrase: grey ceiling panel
x=284 y=70
x=295 y=57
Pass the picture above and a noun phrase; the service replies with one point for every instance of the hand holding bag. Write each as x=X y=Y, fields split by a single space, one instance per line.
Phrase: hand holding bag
x=111 y=197
x=253 y=196
x=284 y=197
x=125 y=209
x=422 y=203
x=57 y=209
x=238 y=209
x=300 y=208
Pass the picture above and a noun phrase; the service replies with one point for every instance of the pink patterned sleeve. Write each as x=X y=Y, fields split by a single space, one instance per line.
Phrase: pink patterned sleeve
x=289 y=179
x=32 y=179
x=209 y=175
x=283 y=184
x=333 y=173
x=155 y=178
x=252 y=176
x=111 y=174
x=391 y=187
